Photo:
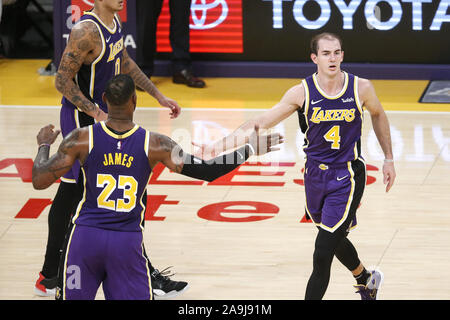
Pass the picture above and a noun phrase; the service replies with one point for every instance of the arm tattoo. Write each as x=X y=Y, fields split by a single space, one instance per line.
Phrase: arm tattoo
x=46 y=168
x=83 y=40
x=78 y=34
x=166 y=144
x=84 y=45
x=69 y=142
x=131 y=68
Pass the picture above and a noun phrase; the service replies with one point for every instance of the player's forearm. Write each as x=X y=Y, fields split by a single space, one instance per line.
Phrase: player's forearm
x=41 y=177
x=44 y=173
x=237 y=138
x=80 y=43
x=382 y=130
x=130 y=68
x=47 y=170
x=73 y=93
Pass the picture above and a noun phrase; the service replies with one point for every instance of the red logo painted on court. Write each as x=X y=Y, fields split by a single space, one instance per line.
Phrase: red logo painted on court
x=215 y=26
x=86 y=5
x=220 y=211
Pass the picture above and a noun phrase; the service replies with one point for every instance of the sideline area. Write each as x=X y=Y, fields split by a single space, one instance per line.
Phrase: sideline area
x=20 y=84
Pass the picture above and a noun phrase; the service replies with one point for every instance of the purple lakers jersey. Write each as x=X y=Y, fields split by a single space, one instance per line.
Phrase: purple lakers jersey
x=332 y=124
x=116 y=173
x=92 y=79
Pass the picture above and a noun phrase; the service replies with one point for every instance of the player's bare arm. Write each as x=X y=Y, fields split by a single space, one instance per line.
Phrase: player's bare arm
x=381 y=127
x=83 y=47
x=168 y=152
x=289 y=103
x=164 y=149
x=47 y=170
x=128 y=66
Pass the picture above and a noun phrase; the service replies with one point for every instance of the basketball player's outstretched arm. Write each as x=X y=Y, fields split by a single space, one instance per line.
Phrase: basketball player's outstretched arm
x=289 y=103
x=381 y=127
x=165 y=150
x=84 y=40
x=128 y=66
x=47 y=170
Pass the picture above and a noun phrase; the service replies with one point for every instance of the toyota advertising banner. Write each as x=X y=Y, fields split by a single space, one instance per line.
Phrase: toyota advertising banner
x=216 y=26
x=375 y=31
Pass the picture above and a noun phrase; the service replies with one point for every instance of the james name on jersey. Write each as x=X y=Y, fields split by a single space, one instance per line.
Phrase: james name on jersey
x=117 y=159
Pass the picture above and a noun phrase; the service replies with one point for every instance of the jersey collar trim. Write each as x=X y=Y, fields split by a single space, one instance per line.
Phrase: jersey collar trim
x=117 y=136
x=112 y=31
x=323 y=93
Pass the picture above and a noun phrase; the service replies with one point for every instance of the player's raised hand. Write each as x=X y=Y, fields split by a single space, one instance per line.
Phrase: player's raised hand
x=388 y=174
x=175 y=109
x=264 y=143
x=47 y=135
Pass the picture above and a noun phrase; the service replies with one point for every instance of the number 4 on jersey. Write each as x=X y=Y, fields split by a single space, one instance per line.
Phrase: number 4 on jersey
x=333 y=136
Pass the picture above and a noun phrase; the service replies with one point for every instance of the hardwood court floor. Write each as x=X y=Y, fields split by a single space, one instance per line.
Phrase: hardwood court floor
x=265 y=250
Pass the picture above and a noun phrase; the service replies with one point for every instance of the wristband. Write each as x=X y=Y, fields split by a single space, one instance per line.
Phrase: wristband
x=388 y=160
x=44 y=144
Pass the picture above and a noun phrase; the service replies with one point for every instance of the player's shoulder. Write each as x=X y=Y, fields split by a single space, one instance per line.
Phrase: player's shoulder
x=364 y=83
x=296 y=93
x=79 y=134
x=77 y=139
x=84 y=25
x=298 y=88
x=158 y=140
x=366 y=89
x=85 y=35
x=365 y=86
x=84 y=29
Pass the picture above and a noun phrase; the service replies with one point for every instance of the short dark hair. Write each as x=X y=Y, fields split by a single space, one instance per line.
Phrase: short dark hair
x=119 y=89
x=324 y=35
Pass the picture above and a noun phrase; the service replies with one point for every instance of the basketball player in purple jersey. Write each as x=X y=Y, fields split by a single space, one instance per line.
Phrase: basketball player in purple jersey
x=94 y=54
x=330 y=106
x=105 y=245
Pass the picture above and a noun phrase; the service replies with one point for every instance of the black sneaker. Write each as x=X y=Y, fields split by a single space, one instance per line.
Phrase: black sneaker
x=163 y=287
x=186 y=77
x=45 y=287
